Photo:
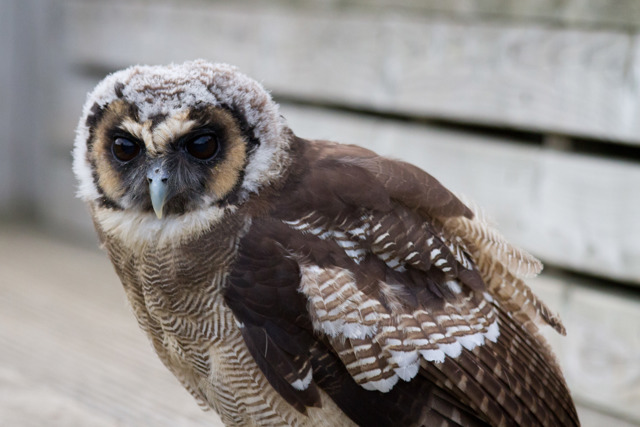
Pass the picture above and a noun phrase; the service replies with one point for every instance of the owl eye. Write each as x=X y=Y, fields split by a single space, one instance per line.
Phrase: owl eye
x=124 y=149
x=202 y=147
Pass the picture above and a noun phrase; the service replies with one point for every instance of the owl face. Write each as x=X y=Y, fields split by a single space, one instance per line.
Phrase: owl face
x=180 y=141
x=169 y=165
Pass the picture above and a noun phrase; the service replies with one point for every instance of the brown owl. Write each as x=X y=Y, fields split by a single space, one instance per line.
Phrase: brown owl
x=293 y=282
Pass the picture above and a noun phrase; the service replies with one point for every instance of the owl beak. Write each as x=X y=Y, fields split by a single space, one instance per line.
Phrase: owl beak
x=157 y=178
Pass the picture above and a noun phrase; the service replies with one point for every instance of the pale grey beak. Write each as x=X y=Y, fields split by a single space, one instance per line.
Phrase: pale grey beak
x=157 y=178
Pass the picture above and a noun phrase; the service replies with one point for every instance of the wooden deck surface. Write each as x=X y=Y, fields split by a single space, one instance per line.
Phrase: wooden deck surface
x=71 y=353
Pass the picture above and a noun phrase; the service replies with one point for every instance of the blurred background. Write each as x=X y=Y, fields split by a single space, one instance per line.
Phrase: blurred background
x=529 y=108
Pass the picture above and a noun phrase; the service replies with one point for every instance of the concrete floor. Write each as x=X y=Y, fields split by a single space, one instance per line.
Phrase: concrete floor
x=71 y=352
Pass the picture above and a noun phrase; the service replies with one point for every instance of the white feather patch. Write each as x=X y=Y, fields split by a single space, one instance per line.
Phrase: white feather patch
x=487 y=296
x=138 y=229
x=454 y=286
x=408 y=363
x=433 y=355
x=407 y=372
x=471 y=341
x=452 y=350
x=384 y=385
x=357 y=331
x=303 y=384
x=351 y=248
x=404 y=358
x=493 y=332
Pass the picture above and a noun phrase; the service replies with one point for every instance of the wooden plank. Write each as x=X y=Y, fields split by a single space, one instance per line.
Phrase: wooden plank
x=599 y=355
x=589 y=210
x=539 y=78
x=600 y=13
x=535 y=78
x=27 y=79
x=72 y=352
x=615 y=14
x=163 y=33
x=571 y=210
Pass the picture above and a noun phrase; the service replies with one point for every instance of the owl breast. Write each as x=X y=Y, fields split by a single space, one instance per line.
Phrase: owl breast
x=176 y=293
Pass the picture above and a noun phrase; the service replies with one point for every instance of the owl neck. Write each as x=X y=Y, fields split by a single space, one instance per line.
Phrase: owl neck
x=139 y=230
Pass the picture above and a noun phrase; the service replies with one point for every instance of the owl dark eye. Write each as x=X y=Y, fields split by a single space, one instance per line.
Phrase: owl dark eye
x=202 y=147
x=124 y=149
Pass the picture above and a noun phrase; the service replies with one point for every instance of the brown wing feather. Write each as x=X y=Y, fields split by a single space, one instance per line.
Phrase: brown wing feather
x=402 y=181
x=394 y=296
x=489 y=252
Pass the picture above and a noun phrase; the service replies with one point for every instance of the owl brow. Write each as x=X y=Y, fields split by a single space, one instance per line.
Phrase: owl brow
x=200 y=116
x=140 y=131
x=157 y=119
x=172 y=129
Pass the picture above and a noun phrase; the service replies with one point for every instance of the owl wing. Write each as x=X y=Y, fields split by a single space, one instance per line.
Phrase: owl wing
x=363 y=281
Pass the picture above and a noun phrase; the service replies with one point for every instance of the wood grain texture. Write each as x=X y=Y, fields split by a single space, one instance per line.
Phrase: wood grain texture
x=600 y=13
x=599 y=355
x=26 y=79
x=559 y=206
x=616 y=14
x=534 y=77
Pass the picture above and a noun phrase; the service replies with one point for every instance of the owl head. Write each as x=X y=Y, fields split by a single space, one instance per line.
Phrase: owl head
x=186 y=142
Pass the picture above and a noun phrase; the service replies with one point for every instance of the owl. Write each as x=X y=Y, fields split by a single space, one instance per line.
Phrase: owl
x=285 y=281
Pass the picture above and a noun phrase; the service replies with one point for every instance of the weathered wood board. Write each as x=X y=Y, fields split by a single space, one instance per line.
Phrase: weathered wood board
x=600 y=13
x=25 y=88
x=620 y=14
x=600 y=355
x=534 y=77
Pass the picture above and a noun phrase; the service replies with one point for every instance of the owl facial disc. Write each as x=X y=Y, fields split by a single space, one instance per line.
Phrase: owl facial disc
x=163 y=111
